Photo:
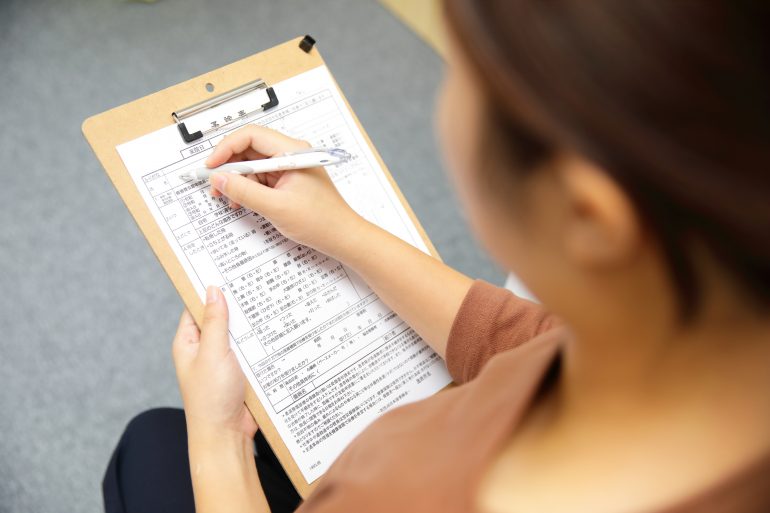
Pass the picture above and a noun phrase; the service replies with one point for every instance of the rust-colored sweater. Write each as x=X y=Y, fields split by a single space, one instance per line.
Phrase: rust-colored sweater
x=429 y=456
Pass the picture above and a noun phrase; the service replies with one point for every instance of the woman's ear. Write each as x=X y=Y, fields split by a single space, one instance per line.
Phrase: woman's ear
x=602 y=227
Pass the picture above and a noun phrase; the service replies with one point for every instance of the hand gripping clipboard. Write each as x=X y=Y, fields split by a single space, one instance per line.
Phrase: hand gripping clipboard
x=178 y=103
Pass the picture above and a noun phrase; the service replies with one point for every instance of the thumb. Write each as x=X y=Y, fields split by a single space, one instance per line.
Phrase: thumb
x=214 y=339
x=249 y=193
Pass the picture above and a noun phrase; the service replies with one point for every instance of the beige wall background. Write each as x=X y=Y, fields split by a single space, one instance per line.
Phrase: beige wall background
x=422 y=16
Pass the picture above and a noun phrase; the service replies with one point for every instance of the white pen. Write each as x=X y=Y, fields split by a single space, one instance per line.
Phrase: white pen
x=303 y=159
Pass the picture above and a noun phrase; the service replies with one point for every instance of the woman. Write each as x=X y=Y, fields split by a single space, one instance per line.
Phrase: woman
x=614 y=155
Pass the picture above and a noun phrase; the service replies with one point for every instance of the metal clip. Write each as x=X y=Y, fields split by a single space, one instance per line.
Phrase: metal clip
x=180 y=115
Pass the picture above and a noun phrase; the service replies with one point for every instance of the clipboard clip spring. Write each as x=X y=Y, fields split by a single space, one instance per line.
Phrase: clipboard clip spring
x=180 y=115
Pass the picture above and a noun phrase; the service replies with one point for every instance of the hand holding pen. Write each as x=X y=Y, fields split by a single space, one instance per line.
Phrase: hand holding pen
x=305 y=206
x=299 y=159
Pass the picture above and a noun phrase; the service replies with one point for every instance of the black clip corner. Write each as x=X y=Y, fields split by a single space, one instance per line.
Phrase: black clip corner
x=307 y=43
x=187 y=136
x=272 y=99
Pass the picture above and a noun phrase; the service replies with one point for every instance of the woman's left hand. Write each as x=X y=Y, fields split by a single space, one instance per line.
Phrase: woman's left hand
x=210 y=378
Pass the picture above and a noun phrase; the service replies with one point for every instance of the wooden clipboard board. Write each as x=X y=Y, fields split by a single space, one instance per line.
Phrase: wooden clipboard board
x=109 y=129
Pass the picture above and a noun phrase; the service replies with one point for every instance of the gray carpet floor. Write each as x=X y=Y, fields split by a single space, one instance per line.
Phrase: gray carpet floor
x=86 y=312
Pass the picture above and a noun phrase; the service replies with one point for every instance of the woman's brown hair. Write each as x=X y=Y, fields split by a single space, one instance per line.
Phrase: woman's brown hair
x=670 y=97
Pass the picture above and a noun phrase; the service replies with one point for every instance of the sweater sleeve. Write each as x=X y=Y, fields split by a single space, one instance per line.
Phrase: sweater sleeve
x=491 y=320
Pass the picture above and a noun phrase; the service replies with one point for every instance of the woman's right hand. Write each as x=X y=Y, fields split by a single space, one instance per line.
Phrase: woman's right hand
x=303 y=205
x=306 y=207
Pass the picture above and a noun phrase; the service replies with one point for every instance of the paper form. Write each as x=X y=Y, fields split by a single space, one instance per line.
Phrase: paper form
x=323 y=353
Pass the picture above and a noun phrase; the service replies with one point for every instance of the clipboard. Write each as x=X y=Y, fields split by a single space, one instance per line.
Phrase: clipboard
x=178 y=103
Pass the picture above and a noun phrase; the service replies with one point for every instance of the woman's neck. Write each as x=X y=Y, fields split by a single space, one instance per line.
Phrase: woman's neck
x=699 y=389
x=649 y=356
x=678 y=410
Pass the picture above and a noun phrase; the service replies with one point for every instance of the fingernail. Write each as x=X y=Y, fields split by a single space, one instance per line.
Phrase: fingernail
x=212 y=294
x=219 y=181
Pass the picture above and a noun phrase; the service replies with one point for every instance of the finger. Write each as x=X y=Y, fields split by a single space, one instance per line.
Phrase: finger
x=271 y=179
x=238 y=157
x=229 y=149
x=187 y=335
x=243 y=191
x=252 y=154
x=262 y=140
x=247 y=154
x=214 y=339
